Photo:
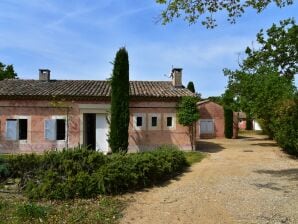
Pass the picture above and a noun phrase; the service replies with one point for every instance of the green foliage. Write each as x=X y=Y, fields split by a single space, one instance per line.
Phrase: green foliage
x=263 y=85
x=7 y=72
x=118 y=135
x=228 y=114
x=193 y=11
x=187 y=111
x=285 y=126
x=188 y=114
x=31 y=211
x=191 y=87
x=4 y=170
x=84 y=173
x=248 y=123
x=278 y=49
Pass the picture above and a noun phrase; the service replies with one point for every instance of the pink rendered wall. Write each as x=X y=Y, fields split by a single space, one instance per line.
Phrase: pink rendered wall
x=148 y=139
x=38 y=113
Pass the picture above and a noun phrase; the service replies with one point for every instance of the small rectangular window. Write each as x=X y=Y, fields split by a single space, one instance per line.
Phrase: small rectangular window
x=16 y=129
x=23 y=129
x=153 y=121
x=169 y=121
x=139 y=121
x=60 y=129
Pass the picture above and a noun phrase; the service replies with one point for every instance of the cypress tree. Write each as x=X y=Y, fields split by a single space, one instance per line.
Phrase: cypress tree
x=191 y=87
x=118 y=136
x=228 y=114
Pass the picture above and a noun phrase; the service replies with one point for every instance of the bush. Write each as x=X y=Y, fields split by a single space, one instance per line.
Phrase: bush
x=84 y=173
x=4 y=170
x=285 y=127
x=228 y=114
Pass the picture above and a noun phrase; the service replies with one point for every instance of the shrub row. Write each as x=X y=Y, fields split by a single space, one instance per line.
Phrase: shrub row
x=285 y=126
x=83 y=173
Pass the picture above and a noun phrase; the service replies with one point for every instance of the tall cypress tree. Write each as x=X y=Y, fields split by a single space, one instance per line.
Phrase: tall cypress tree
x=191 y=87
x=118 y=136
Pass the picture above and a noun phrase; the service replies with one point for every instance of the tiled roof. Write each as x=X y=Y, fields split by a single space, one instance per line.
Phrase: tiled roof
x=87 y=89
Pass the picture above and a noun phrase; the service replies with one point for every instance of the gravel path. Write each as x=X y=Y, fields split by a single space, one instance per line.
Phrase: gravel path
x=247 y=180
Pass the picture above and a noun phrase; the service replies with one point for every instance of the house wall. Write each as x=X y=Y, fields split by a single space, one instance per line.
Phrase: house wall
x=211 y=110
x=38 y=111
x=149 y=138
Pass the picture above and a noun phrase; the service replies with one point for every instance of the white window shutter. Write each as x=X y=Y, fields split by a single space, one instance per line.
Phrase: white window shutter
x=50 y=129
x=12 y=131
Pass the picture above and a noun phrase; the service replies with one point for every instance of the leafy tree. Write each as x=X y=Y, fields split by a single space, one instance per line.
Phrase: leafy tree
x=193 y=11
x=278 y=49
x=7 y=72
x=260 y=93
x=119 y=122
x=188 y=114
x=191 y=87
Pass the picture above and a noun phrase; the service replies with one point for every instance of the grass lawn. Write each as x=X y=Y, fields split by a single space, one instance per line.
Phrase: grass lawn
x=17 y=209
x=194 y=157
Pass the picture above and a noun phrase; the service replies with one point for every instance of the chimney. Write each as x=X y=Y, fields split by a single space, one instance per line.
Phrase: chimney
x=177 y=77
x=44 y=74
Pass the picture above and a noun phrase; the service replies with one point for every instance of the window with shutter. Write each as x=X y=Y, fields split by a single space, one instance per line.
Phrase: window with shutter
x=50 y=129
x=12 y=129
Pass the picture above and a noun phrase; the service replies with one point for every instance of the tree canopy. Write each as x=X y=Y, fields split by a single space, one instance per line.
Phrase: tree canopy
x=204 y=11
x=263 y=84
x=278 y=49
x=7 y=72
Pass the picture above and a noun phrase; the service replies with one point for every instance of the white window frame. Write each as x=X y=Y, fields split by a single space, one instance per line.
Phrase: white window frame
x=165 y=116
x=158 y=126
x=139 y=128
x=57 y=117
x=19 y=117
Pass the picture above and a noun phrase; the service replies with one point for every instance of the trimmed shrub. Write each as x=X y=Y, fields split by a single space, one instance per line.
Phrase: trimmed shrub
x=83 y=173
x=228 y=114
x=249 y=125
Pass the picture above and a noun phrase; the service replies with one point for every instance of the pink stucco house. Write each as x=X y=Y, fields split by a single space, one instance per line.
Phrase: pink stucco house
x=38 y=115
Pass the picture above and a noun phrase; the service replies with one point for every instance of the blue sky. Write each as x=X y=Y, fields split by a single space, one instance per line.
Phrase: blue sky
x=78 y=39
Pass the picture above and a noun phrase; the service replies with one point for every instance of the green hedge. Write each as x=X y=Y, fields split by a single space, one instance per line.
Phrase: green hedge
x=228 y=114
x=4 y=170
x=285 y=126
x=84 y=173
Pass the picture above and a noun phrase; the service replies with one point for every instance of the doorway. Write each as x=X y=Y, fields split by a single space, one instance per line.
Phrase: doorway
x=90 y=131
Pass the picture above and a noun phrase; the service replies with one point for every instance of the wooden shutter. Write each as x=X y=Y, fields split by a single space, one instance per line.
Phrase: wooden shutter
x=12 y=132
x=50 y=129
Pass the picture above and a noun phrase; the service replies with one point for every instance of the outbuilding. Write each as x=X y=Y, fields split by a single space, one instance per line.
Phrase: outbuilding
x=212 y=122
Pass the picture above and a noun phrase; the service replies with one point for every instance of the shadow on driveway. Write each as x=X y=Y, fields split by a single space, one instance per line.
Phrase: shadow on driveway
x=291 y=174
x=206 y=146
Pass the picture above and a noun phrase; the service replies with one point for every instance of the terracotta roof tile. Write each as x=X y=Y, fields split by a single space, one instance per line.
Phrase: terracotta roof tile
x=20 y=88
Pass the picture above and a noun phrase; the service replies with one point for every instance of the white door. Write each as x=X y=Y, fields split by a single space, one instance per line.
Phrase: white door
x=206 y=126
x=102 y=129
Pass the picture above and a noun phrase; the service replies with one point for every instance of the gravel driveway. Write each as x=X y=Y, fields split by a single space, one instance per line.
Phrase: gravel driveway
x=247 y=180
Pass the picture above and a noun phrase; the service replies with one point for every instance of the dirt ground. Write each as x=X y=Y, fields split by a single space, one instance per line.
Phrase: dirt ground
x=247 y=180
